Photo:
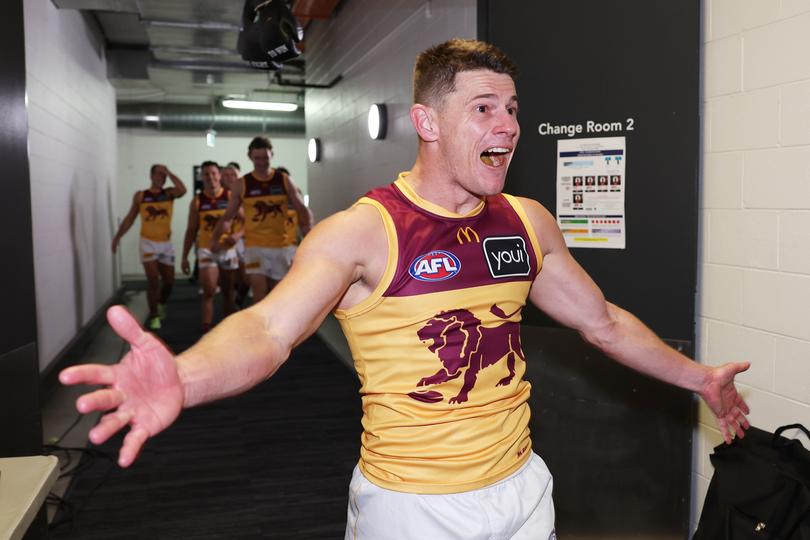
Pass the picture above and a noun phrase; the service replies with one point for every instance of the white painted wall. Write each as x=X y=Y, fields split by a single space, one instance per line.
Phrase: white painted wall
x=377 y=67
x=754 y=275
x=139 y=149
x=71 y=142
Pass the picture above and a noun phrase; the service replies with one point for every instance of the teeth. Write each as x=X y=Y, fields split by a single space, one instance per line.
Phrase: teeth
x=498 y=150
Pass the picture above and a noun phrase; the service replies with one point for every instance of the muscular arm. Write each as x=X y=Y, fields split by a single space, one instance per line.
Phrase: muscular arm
x=565 y=292
x=339 y=262
x=179 y=188
x=305 y=218
x=128 y=220
x=224 y=223
x=191 y=232
x=324 y=267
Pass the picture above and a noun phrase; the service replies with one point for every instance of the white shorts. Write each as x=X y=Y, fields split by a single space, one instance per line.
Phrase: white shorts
x=162 y=252
x=518 y=507
x=240 y=250
x=272 y=262
x=225 y=259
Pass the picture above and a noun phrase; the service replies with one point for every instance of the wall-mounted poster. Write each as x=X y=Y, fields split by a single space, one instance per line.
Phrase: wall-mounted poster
x=590 y=191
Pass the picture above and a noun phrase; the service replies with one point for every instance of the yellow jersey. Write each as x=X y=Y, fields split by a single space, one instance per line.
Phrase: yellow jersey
x=210 y=210
x=437 y=344
x=266 y=204
x=155 y=210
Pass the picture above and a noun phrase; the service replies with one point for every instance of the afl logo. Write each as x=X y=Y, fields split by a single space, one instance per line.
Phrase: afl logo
x=435 y=266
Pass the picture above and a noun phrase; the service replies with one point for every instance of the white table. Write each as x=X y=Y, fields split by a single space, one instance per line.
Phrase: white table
x=24 y=485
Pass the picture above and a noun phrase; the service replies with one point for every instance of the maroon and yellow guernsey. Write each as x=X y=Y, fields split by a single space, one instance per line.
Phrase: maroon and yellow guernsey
x=266 y=204
x=155 y=210
x=437 y=344
x=210 y=209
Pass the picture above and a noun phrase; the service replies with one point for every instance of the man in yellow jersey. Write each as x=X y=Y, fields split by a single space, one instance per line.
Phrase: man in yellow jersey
x=427 y=276
x=154 y=205
x=206 y=209
x=230 y=177
x=266 y=195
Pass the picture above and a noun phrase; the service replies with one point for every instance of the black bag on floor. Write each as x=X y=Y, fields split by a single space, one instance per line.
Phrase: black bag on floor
x=760 y=489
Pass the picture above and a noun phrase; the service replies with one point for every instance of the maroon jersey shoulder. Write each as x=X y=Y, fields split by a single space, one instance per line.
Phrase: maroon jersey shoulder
x=151 y=197
x=207 y=203
x=440 y=253
x=258 y=188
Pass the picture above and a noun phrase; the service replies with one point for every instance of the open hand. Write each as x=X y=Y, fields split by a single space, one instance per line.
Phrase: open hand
x=721 y=396
x=143 y=390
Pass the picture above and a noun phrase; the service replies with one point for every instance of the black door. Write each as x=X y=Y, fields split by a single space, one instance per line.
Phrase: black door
x=618 y=444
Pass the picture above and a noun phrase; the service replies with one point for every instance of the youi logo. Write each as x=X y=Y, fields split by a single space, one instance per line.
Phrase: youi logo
x=435 y=266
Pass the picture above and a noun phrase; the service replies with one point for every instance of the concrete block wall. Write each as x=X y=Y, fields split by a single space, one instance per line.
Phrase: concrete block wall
x=754 y=275
x=72 y=154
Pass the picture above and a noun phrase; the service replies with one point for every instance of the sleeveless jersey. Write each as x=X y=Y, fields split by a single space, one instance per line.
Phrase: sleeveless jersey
x=437 y=344
x=266 y=204
x=211 y=209
x=156 y=215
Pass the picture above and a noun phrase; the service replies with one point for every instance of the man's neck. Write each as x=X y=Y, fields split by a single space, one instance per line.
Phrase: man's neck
x=438 y=187
x=263 y=175
x=213 y=194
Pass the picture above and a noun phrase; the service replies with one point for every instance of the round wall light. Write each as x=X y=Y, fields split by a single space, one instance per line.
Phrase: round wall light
x=314 y=150
x=377 y=121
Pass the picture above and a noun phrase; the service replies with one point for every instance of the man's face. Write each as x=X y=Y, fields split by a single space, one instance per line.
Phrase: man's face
x=211 y=178
x=260 y=157
x=478 y=130
x=158 y=177
x=229 y=177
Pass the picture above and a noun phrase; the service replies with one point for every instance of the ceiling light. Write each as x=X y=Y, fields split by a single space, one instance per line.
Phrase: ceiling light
x=151 y=118
x=259 y=105
x=314 y=150
x=377 y=121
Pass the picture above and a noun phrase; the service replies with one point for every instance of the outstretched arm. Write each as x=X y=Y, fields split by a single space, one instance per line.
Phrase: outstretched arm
x=306 y=219
x=128 y=220
x=224 y=223
x=565 y=292
x=191 y=234
x=149 y=387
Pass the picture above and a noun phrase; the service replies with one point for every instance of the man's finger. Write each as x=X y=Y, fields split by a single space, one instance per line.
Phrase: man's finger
x=739 y=367
x=87 y=374
x=126 y=326
x=100 y=400
x=724 y=430
x=109 y=426
x=742 y=405
x=133 y=443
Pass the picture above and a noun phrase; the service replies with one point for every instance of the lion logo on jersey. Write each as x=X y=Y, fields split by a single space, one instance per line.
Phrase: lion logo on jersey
x=153 y=213
x=210 y=222
x=464 y=346
x=264 y=208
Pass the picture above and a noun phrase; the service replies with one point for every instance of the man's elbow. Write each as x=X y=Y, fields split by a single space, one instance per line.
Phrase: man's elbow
x=602 y=333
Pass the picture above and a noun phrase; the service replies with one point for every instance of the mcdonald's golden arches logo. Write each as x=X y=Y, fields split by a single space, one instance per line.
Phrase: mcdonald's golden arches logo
x=468 y=234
